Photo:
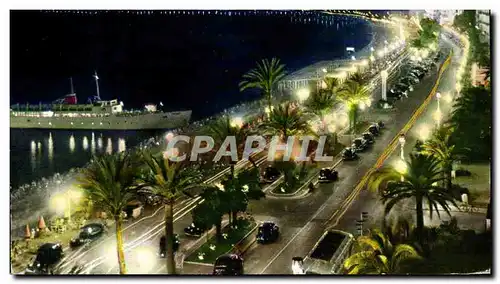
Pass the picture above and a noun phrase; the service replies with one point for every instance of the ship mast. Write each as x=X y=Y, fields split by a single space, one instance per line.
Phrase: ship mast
x=98 y=97
x=71 y=82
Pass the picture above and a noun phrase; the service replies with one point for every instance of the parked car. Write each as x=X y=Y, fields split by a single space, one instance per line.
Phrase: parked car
x=47 y=256
x=394 y=95
x=328 y=175
x=359 y=144
x=194 y=230
x=228 y=264
x=163 y=245
x=133 y=209
x=413 y=77
x=380 y=124
x=409 y=80
x=349 y=154
x=419 y=74
x=88 y=233
x=268 y=232
x=399 y=91
x=374 y=130
x=270 y=174
x=368 y=137
x=404 y=87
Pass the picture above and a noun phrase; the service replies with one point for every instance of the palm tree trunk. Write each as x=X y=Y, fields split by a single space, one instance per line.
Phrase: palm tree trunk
x=169 y=237
x=420 y=215
x=231 y=167
x=252 y=161
x=235 y=217
x=448 y=183
x=218 y=231
x=119 y=245
x=269 y=103
x=354 y=117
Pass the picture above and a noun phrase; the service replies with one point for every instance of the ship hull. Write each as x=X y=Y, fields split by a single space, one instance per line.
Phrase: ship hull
x=169 y=120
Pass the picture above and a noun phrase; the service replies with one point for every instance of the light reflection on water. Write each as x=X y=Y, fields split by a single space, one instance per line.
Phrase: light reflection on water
x=50 y=148
x=109 y=147
x=121 y=145
x=72 y=143
x=85 y=143
x=99 y=142
x=92 y=144
x=37 y=153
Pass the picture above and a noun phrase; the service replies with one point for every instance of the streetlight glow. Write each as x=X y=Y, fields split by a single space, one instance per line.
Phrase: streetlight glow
x=362 y=106
x=303 y=94
x=237 y=121
x=169 y=136
x=400 y=166
x=424 y=132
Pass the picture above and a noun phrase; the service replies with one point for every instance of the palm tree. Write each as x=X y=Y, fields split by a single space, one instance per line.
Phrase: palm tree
x=441 y=147
x=419 y=182
x=210 y=212
x=223 y=128
x=352 y=93
x=168 y=180
x=265 y=77
x=110 y=181
x=320 y=103
x=358 y=78
x=239 y=189
x=377 y=255
x=331 y=84
x=285 y=121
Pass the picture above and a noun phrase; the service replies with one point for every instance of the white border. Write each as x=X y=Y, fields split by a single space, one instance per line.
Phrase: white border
x=199 y=4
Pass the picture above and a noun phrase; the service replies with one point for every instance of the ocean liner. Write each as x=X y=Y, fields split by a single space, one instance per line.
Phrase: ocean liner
x=98 y=114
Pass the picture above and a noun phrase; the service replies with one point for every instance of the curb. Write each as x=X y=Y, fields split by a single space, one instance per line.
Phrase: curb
x=304 y=186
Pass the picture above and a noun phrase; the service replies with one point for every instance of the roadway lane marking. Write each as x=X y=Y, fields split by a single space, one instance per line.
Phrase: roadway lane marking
x=360 y=185
x=392 y=146
x=295 y=236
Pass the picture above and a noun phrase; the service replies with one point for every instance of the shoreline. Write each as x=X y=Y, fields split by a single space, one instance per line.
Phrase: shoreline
x=68 y=177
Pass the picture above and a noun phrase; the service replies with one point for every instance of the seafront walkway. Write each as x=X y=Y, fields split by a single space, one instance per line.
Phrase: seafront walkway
x=28 y=202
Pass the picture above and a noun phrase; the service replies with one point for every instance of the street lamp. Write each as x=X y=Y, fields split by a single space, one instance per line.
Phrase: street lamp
x=62 y=201
x=402 y=141
x=383 y=75
x=438 y=97
x=424 y=132
x=237 y=122
x=303 y=94
x=438 y=116
x=401 y=167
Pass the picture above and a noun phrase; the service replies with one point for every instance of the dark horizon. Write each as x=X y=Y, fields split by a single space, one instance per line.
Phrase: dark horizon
x=190 y=62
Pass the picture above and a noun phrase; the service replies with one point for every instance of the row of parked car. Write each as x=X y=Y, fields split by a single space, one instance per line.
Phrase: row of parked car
x=417 y=71
x=362 y=142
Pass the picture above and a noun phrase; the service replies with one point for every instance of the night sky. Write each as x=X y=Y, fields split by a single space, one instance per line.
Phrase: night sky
x=187 y=62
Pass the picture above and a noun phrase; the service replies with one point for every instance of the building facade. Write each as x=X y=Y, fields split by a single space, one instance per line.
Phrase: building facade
x=443 y=17
x=483 y=24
